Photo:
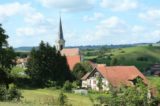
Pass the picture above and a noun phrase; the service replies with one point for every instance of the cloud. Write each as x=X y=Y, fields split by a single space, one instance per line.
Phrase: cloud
x=96 y=16
x=152 y=16
x=107 y=31
x=69 y=5
x=35 y=18
x=119 y=5
x=11 y=9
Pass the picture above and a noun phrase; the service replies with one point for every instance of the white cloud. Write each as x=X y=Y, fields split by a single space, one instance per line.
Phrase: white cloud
x=119 y=5
x=107 y=31
x=37 y=19
x=69 y=5
x=138 y=29
x=35 y=30
x=96 y=16
x=151 y=15
x=11 y=9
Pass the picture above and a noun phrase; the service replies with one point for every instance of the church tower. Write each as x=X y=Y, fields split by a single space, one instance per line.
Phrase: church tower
x=60 y=42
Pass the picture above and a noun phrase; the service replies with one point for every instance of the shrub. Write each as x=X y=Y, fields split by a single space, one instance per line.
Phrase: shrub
x=102 y=99
x=142 y=59
x=67 y=87
x=3 y=93
x=76 y=84
x=62 y=99
x=9 y=94
x=122 y=51
x=14 y=94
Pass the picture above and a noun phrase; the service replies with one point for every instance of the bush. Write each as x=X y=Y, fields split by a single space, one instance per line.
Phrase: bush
x=3 y=93
x=14 y=94
x=142 y=59
x=62 y=99
x=9 y=94
x=76 y=84
x=67 y=87
x=102 y=99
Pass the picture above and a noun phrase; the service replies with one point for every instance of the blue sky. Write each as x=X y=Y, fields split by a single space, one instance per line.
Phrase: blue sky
x=85 y=22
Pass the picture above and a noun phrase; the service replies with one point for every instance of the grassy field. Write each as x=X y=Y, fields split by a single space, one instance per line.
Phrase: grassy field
x=154 y=81
x=44 y=97
x=140 y=56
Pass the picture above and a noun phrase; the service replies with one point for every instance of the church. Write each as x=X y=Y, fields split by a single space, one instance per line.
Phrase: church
x=72 y=54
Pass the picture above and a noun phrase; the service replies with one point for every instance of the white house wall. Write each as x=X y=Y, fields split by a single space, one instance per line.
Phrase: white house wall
x=92 y=83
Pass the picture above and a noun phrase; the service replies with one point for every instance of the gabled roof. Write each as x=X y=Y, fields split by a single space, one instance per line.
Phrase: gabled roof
x=73 y=60
x=70 y=51
x=118 y=75
x=72 y=55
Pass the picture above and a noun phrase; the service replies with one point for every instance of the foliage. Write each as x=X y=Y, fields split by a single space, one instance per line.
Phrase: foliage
x=128 y=96
x=142 y=58
x=114 y=61
x=47 y=64
x=7 y=57
x=9 y=94
x=22 y=54
x=76 y=84
x=80 y=69
x=100 y=83
x=62 y=99
x=67 y=87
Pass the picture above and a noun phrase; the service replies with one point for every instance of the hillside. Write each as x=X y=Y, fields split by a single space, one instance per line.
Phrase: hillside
x=140 y=56
x=28 y=49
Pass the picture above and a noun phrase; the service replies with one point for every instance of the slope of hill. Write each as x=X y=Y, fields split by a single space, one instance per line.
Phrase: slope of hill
x=23 y=49
x=140 y=56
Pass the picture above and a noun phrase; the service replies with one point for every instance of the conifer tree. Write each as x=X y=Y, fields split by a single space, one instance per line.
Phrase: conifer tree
x=47 y=65
x=7 y=57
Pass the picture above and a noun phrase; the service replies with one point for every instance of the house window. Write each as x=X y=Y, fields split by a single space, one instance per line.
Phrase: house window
x=94 y=82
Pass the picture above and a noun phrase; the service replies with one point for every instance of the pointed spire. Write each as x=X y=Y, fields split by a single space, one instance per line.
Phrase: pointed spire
x=60 y=34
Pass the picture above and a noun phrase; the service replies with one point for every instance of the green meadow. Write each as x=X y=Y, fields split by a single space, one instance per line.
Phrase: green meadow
x=48 y=96
x=140 y=56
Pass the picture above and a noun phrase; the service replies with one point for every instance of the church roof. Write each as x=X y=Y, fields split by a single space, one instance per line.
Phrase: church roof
x=70 y=51
x=73 y=60
x=60 y=33
x=72 y=55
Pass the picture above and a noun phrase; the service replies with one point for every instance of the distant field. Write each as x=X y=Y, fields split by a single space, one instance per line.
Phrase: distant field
x=140 y=56
x=154 y=81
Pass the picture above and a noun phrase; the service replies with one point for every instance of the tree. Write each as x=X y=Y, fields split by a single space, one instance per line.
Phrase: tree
x=80 y=69
x=100 y=83
x=7 y=57
x=46 y=64
x=114 y=61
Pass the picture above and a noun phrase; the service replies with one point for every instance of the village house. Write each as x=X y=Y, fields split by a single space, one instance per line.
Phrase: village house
x=115 y=76
x=21 y=62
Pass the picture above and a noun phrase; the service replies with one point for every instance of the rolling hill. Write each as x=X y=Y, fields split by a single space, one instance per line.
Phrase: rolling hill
x=140 y=56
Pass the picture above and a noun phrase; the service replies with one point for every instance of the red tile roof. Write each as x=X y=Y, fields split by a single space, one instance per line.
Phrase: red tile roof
x=72 y=55
x=118 y=75
x=72 y=61
x=70 y=51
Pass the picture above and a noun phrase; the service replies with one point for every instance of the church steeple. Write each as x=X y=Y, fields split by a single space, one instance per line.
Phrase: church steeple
x=60 y=43
x=60 y=34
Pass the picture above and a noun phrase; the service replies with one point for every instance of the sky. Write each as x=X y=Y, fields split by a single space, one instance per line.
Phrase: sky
x=85 y=22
